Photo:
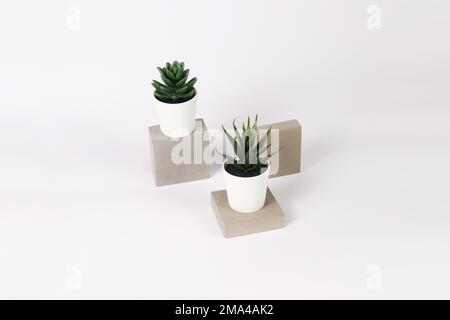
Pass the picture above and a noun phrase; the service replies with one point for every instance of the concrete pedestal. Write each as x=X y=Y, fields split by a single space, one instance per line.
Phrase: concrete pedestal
x=288 y=160
x=235 y=224
x=179 y=160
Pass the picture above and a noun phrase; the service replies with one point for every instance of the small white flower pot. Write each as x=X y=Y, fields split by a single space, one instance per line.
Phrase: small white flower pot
x=176 y=120
x=246 y=194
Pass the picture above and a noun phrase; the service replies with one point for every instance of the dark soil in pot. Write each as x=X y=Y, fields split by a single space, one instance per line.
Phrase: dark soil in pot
x=231 y=169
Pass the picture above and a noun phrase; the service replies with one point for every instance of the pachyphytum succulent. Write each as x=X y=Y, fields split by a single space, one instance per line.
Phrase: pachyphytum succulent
x=175 y=87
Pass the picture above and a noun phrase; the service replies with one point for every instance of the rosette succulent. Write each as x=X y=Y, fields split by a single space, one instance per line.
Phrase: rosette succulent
x=174 y=87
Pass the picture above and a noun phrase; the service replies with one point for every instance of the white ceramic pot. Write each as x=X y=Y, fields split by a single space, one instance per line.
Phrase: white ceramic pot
x=176 y=120
x=246 y=194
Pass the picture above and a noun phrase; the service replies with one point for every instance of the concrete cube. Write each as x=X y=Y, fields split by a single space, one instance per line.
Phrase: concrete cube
x=288 y=159
x=235 y=224
x=179 y=160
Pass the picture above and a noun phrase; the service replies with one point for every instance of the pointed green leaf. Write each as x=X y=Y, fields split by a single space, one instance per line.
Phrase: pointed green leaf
x=183 y=80
x=161 y=71
x=162 y=96
x=230 y=138
x=157 y=83
x=183 y=90
x=167 y=90
x=170 y=75
x=164 y=78
x=263 y=140
x=240 y=151
x=155 y=86
x=179 y=74
x=186 y=96
x=191 y=82
x=255 y=126
x=228 y=158
x=264 y=149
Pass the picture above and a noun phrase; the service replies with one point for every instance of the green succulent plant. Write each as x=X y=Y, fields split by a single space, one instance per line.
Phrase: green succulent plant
x=250 y=151
x=175 y=87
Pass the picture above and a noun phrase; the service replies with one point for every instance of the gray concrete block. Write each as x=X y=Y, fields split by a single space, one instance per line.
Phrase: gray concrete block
x=179 y=160
x=290 y=144
x=234 y=224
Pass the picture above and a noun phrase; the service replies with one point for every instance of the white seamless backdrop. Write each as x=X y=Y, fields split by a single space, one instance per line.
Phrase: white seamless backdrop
x=367 y=218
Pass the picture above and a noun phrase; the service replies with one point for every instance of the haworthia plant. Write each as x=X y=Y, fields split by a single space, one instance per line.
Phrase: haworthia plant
x=250 y=150
x=174 y=87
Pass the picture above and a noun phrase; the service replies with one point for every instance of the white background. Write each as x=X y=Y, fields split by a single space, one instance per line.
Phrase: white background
x=368 y=217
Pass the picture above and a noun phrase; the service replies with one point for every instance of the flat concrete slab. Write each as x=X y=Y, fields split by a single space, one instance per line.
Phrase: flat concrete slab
x=179 y=160
x=289 y=136
x=234 y=224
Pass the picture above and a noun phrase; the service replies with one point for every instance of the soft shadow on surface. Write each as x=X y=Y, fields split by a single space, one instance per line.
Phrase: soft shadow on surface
x=314 y=152
x=291 y=189
x=288 y=194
